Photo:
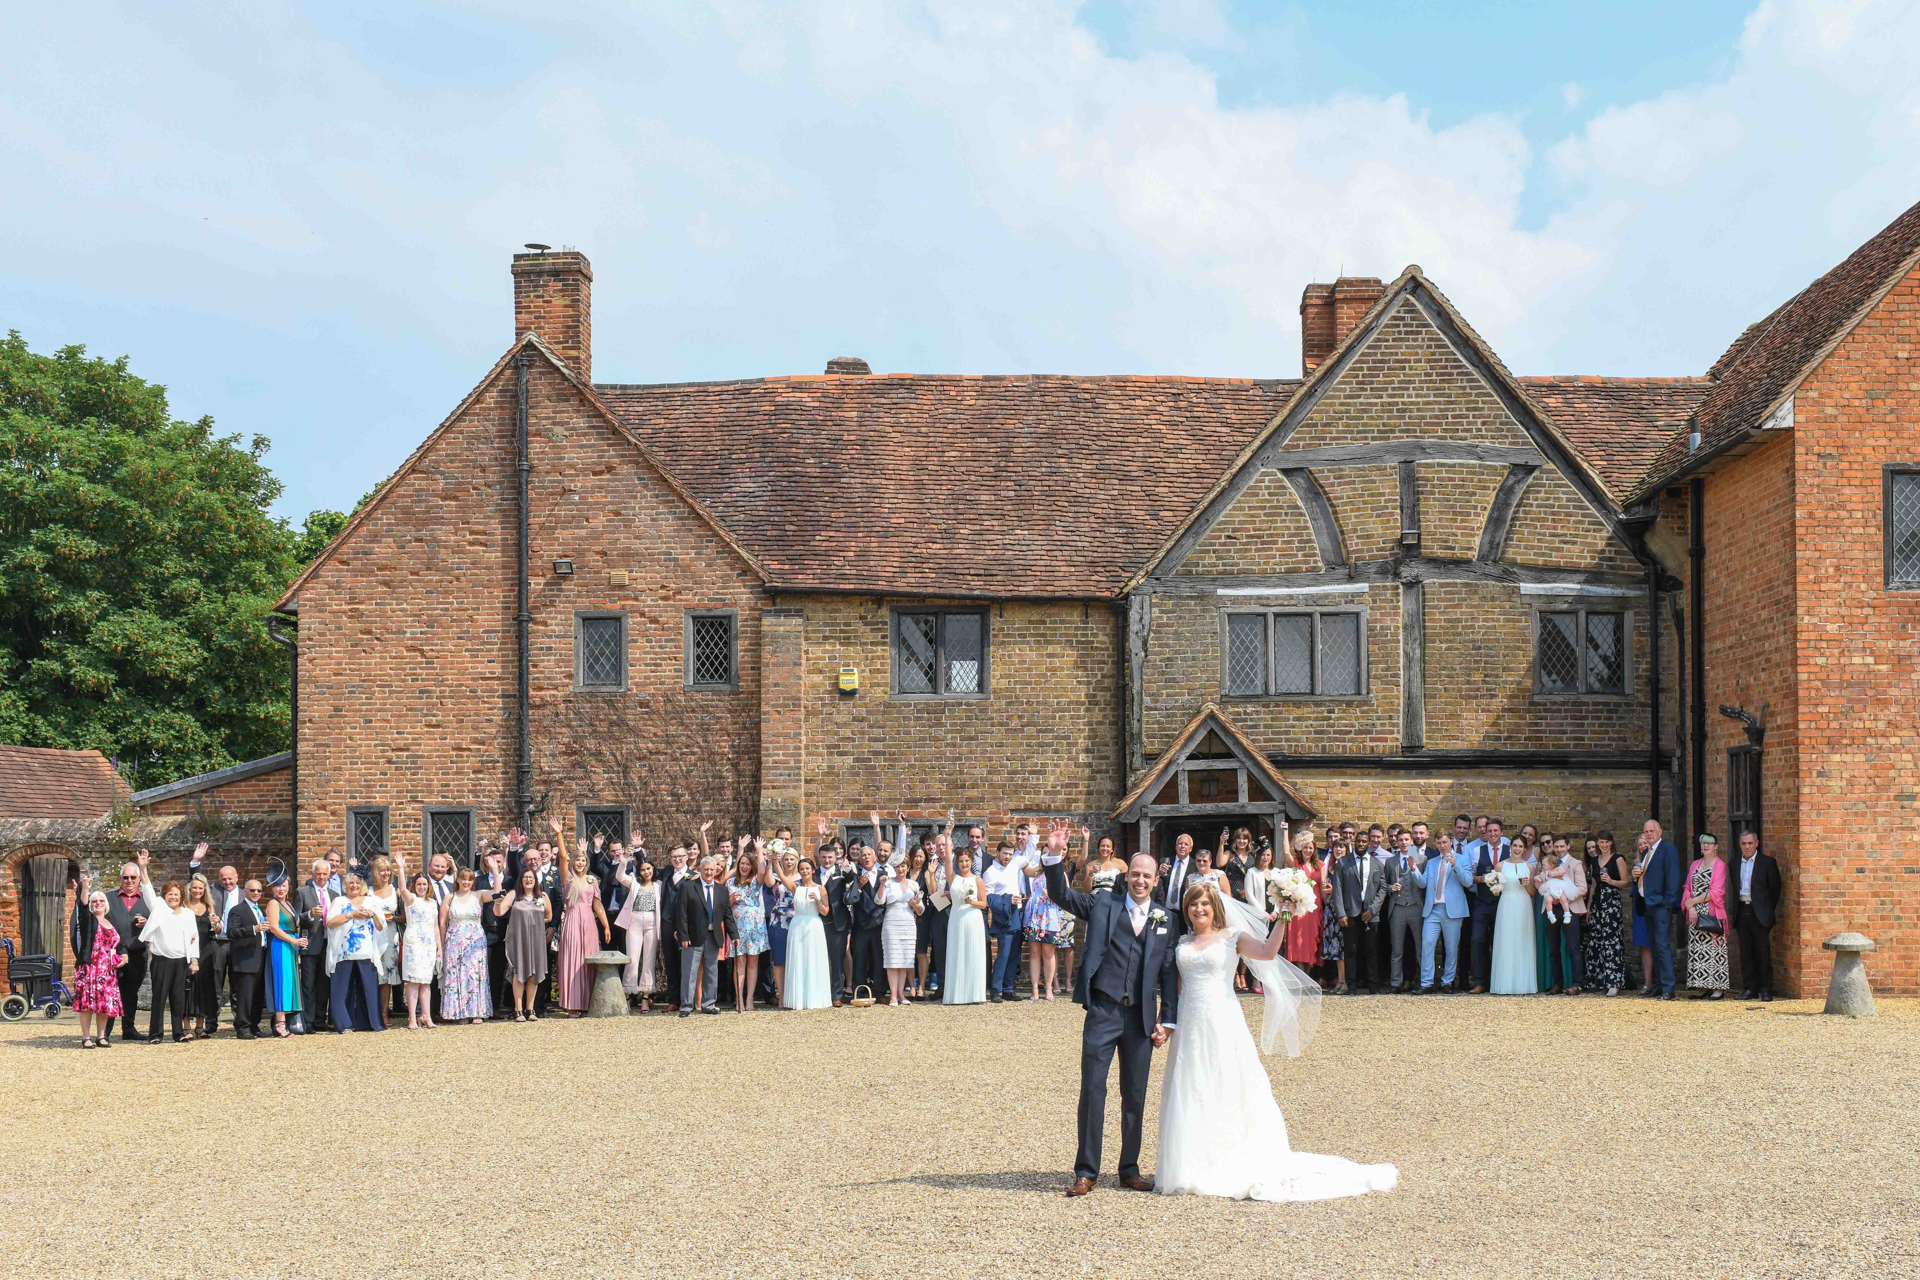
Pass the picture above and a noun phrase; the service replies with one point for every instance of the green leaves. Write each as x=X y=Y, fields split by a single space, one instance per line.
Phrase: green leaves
x=137 y=563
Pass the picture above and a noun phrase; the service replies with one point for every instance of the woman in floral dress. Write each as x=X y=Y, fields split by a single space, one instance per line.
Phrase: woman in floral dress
x=96 y=995
x=784 y=877
x=464 y=992
x=1047 y=928
x=751 y=873
x=1606 y=950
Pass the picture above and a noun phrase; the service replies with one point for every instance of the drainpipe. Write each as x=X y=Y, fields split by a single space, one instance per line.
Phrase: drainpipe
x=1697 y=557
x=522 y=617
x=1653 y=723
x=293 y=686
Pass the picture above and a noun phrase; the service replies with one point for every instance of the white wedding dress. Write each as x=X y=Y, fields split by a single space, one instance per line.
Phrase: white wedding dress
x=1221 y=1132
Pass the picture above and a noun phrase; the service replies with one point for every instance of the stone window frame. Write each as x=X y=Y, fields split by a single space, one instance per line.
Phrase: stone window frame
x=1888 y=471
x=686 y=651
x=1583 y=607
x=353 y=830
x=580 y=809
x=981 y=611
x=580 y=619
x=427 y=814
x=1364 y=682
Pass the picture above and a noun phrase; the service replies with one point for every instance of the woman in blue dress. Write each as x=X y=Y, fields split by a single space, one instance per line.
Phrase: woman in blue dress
x=284 y=945
x=1514 y=969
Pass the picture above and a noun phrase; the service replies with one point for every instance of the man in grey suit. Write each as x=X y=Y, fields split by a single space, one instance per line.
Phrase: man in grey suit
x=225 y=894
x=1359 y=888
x=1404 y=907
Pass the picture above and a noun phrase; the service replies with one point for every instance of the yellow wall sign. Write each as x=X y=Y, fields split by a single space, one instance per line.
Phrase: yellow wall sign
x=849 y=680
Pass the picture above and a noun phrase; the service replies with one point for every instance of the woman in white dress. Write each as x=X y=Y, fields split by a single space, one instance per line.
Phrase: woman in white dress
x=809 y=982
x=419 y=948
x=899 y=929
x=965 y=981
x=1515 y=967
x=382 y=894
x=1221 y=1132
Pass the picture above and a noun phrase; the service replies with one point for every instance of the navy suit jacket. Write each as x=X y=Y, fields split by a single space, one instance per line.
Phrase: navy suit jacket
x=1105 y=911
x=1661 y=884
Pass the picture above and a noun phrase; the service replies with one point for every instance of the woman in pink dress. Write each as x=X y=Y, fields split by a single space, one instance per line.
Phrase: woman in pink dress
x=96 y=994
x=582 y=932
x=1303 y=931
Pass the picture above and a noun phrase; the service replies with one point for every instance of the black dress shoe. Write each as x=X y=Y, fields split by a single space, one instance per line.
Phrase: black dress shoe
x=1746 y=993
x=1766 y=997
x=1667 y=996
x=686 y=1013
x=993 y=998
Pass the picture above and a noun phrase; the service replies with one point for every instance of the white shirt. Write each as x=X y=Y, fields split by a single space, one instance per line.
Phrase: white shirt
x=1177 y=877
x=174 y=935
x=1746 y=877
x=1005 y=879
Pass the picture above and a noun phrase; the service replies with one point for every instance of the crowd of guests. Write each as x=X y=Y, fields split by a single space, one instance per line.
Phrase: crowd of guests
x=357 y=945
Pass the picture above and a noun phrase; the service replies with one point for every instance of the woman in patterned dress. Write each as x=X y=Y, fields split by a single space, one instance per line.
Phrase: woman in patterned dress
x=1707 y=897
x=751 y=872
x=464 y=989
x=783 y=865
x=383 y=894
x=1606 y=949
x=1047 y=928
x=285 y=942
x=419 y=945
x=96 y=995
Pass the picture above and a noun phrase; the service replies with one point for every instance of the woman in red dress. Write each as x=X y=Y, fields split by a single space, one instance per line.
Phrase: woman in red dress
x=1303 y=931
x=96 y=986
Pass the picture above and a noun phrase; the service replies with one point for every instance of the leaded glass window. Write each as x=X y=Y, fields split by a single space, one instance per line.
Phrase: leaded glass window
x=1295 y=653
x=1581 y=652
x=940 y=653
x=711 y=651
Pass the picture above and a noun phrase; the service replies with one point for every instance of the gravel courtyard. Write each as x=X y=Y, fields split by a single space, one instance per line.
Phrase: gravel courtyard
x=1538 y=1136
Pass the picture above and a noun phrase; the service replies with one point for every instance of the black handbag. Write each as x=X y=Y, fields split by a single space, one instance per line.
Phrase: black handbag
x=1707 y=922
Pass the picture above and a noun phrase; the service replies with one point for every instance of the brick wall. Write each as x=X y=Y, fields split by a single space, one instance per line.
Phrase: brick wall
x=1553 y=525
x=1858 y=651
x=407 y=665
x=1045 y=741
x=1569 y=801
x=1454 y=497
x=263 y=793
x=1266 y=531
x=1366 y=506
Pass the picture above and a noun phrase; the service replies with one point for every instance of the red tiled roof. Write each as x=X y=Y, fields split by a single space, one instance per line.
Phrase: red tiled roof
x=1767 y=360
x=1618 y=424
x=44 y=782
x=1013 y=486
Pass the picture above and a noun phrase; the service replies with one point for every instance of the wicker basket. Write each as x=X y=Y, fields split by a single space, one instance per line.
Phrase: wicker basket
x=859 y=1001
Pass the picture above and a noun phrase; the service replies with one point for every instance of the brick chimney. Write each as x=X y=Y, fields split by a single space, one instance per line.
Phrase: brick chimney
x=1329 y=312
x=553 y=297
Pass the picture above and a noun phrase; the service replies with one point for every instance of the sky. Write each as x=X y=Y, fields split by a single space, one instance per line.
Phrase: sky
x=299 y=218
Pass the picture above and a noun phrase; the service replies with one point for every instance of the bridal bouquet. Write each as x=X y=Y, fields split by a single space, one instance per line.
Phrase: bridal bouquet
x=1293 y=891
x=1495 y=883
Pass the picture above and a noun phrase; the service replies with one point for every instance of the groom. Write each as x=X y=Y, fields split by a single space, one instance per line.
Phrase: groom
x=1127 y=981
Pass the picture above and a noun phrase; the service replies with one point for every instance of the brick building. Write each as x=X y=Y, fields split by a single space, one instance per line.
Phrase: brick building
x=1405 y=584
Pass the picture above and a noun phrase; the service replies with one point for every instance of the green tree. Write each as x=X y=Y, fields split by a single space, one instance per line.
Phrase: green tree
x=137 y=563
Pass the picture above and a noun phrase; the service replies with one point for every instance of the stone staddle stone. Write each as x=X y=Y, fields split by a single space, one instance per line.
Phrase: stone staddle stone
x=1847 y=991
x=609 y=999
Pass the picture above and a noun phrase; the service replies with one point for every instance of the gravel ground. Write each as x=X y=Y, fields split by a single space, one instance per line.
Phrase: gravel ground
x=1538 y=1136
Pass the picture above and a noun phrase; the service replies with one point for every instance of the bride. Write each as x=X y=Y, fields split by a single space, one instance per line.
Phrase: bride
x=1221 y=1133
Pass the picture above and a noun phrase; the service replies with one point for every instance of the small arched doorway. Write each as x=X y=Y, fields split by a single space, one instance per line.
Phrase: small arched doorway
x=40 y=874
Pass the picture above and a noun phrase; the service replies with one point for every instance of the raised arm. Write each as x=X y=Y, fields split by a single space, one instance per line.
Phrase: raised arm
x=1064 y=895
x=1276 y=938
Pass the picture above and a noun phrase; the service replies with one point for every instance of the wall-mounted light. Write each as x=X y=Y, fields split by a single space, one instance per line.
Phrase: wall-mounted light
x=563 y=567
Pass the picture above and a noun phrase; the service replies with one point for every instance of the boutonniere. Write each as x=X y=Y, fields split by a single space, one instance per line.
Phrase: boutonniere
x=1157 y=916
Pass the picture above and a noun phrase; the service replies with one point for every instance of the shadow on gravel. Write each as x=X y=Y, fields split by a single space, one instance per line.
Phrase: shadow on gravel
x=1052 y=1182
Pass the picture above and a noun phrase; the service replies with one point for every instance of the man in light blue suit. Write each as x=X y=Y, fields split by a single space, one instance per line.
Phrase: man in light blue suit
x=1444 y=882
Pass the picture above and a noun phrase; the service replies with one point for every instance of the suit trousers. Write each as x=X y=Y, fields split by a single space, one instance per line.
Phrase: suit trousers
x=1567 y=931
x=1435 y=928
x=1109 y=1026
x=837 y=961
x=498 y=985
x=315 y=990
x=1660 y=934
x=1360 y=937
x=1756 y=953
x=169 y=992
x=867 y=968
x=129 y=978
x=214 y=972
x=1403 y=931
x=700 y=964
x=642 y=946
x=938 y=936
x=247 y=1000
x=670 y=961
x=1484 y=914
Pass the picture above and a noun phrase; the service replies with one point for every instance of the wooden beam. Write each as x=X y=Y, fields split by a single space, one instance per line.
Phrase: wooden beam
x=1139 y=623
x=1326 y=532
x=1409 y=473
x=1493 y=534
x=1413 y=667
x=1393 y=451
x=1442 y=761
x=1363 y=573
x=1223 y=809
x=1180 y=783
